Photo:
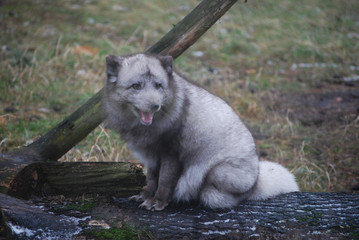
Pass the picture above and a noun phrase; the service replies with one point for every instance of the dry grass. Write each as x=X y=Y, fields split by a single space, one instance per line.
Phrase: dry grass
x=52 y=61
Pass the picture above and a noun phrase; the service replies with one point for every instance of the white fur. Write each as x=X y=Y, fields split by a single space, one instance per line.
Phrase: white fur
x=139 y=64
x=273 y=180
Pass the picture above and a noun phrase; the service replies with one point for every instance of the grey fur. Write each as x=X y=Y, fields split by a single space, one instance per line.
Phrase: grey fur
x=191 y=142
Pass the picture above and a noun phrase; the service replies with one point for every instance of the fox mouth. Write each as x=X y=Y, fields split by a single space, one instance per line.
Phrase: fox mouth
x=146 y=118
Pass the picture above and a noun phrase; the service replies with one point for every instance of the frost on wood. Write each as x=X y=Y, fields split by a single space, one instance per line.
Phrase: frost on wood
x=297 y=214
x=20 y=220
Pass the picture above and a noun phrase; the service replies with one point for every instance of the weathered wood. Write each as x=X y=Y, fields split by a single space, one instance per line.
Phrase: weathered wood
x=78 y=125
x=77 y=178
x=33 y=222
x=191 y=28
x=28 y=182
x=9 y=168
x=120 y=179
x=291 y=216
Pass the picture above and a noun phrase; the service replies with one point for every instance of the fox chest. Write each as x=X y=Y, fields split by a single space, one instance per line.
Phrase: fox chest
x=149 y=147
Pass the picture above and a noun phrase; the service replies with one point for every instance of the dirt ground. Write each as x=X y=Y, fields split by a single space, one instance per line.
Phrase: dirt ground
x=321 y=107
x=330 y=115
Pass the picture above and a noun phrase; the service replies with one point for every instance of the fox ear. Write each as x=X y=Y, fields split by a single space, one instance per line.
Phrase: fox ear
x=167 y=62
x=113 y=64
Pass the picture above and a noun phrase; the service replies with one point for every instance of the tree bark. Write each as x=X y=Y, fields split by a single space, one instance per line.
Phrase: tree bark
x=290 y=216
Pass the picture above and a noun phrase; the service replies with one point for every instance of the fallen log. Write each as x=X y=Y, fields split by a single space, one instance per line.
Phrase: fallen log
x=77 y=178
x=120 y=179
x=290 y=216
x=57 y=141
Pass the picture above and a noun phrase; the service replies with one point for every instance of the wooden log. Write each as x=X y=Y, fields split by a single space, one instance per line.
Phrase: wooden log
x=290 y=216
x=77 y=178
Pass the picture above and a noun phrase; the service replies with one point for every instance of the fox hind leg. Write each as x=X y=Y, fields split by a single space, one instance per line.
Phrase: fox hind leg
x=214 y=198
x=227 y=184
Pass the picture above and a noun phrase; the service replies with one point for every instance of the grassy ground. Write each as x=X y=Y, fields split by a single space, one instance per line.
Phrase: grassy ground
x=265 y=58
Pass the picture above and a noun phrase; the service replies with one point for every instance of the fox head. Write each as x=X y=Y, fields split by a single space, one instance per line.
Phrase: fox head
x=140 y=83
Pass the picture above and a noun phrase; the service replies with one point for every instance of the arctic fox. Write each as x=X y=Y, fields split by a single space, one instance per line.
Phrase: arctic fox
x=191 y=142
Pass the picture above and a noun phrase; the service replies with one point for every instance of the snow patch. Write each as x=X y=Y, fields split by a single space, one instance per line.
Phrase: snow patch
x=21 y=231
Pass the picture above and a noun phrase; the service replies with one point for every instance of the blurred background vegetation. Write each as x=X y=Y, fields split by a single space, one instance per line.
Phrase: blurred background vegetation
x=289 y=68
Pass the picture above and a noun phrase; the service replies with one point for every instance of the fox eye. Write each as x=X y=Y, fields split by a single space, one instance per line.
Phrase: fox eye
x=158 y=85
x=136 y=86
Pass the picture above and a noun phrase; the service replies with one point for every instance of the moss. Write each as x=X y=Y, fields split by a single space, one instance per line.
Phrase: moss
x=311 y=220
x=125 y=233
x=354 y=235
x=86 y=207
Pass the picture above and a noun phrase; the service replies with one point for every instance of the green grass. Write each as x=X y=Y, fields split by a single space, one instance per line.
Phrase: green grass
x=253 y=48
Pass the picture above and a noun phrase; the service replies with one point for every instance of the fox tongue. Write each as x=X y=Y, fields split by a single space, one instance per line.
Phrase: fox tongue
x=146 y=118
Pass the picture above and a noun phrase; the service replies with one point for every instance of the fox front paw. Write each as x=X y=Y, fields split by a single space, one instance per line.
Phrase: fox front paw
x=154 y=205
x=141 y=197
x=136 y=198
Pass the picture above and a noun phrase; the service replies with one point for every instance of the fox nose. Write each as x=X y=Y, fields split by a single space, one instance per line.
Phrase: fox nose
x=155 y=107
